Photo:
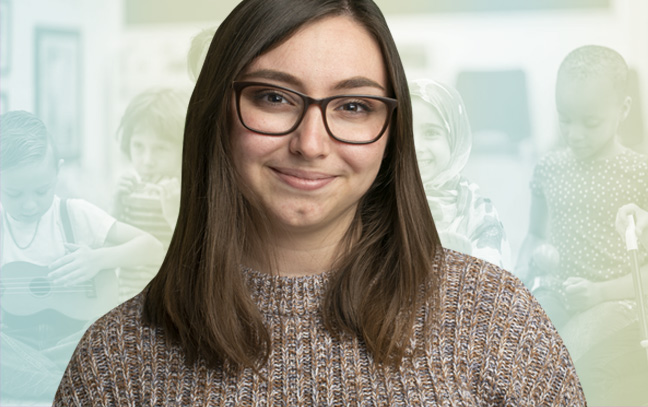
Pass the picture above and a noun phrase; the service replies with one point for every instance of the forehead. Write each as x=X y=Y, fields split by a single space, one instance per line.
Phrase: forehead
x=592 y=90
x=424 y=112
x=325 y=52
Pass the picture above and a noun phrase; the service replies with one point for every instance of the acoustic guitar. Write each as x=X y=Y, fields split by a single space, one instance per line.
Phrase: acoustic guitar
x=25 y=289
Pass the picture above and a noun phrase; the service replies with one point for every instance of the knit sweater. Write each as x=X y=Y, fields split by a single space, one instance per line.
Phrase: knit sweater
x=489 y=344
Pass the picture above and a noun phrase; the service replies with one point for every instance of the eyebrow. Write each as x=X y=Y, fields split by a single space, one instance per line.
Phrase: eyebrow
x=351 y=83
x=273 y=75
x=433 y=126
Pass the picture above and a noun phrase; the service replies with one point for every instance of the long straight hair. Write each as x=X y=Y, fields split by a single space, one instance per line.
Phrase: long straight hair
x=200 y=298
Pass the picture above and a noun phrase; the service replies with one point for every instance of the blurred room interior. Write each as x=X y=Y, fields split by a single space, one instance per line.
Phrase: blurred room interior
x=77 y=64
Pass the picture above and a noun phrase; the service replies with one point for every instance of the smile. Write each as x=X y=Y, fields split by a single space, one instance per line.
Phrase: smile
x=303 y=180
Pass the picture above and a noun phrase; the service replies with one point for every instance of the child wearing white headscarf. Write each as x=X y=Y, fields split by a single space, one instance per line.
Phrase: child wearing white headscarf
x=466 y=221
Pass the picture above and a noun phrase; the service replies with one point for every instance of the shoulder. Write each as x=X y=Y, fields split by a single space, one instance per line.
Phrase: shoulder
x=89 y=223
x=551 y=164
x=556 y=158
x=116 y=331
x=112 y=350
x=475 y=287
x=462 y=267
x=127 y=315
x=492 y=323
x=81 y=207
x=632 y=160
x=469 y=280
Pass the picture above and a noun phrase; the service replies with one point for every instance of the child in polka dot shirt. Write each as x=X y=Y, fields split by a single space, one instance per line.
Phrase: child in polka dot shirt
x=576 y=193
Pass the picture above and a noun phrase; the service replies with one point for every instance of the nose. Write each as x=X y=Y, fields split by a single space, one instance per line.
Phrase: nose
x=148 y=158
x=310 y=139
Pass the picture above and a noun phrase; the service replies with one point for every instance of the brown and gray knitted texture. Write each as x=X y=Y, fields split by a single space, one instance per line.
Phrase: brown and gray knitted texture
x=490 y=345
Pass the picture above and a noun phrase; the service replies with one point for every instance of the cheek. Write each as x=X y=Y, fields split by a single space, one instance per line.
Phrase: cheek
x=250 y=151
x=365 y=162
x=10 y=204
x=136 y=155
x=439 y=148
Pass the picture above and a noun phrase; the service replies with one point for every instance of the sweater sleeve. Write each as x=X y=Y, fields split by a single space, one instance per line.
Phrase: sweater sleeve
x=532 y=364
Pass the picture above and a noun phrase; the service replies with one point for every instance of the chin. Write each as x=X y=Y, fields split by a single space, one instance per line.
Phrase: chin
x=298 y=221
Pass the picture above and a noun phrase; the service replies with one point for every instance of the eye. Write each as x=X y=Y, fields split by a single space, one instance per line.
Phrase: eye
x=272 y=97
x=434 y=133
x=355 y=107
x=162 y=149
x=12 y=194
x=43 y=191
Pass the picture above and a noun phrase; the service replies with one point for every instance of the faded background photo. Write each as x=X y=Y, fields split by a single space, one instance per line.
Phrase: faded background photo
x=529 y=141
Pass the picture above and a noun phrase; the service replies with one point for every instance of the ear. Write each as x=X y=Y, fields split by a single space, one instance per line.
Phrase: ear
x=625 y=108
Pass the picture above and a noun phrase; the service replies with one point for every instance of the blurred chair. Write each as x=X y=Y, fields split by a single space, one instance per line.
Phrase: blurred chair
x=498 y=108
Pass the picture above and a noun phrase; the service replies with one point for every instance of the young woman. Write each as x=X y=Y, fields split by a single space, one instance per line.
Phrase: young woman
x=305 y=268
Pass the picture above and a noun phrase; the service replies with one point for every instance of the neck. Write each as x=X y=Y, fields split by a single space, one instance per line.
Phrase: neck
x=301 y=260
x=302 y=252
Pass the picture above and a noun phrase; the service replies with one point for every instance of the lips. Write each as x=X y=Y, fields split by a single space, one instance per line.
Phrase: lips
x=303 y=180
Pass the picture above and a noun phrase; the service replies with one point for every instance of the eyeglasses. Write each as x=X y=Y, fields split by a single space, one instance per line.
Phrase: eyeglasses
x=275 y=111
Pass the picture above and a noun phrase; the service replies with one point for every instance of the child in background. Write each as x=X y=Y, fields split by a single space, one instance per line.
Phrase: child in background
x=576 y=193
x=466 y=221
x=50 y=250
x=148 y=196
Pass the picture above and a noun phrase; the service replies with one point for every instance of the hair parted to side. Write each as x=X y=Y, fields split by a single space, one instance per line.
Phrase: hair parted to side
x=200 y=296
x=24 y=140
x=590 y=60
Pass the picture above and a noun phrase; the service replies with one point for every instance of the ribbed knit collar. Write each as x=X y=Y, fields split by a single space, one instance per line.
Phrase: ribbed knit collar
x=288 y=296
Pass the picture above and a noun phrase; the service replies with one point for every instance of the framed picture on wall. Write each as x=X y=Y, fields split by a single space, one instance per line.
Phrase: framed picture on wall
x=5 y=36
x=58 y=86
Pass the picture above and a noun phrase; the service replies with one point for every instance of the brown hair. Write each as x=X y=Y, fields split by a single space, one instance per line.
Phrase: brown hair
x=200 y=297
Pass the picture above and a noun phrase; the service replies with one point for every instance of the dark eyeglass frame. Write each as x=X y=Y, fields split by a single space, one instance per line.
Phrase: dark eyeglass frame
x=308 y=101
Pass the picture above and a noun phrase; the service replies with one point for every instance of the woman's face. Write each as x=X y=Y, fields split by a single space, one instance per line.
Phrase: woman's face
x=306 y=180
x=430 y=138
